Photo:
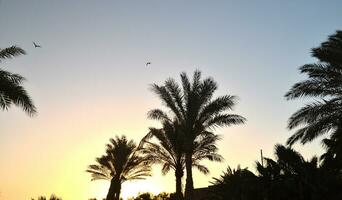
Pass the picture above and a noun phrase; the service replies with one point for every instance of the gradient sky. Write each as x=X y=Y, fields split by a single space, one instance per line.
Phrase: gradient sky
x=89 y=81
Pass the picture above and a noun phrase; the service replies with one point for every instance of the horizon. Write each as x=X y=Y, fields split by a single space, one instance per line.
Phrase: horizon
x=90 y=81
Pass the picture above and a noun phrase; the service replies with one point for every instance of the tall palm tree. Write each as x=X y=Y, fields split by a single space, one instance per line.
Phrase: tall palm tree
x=196 y=111
x=324 y=82
x=168 y=150
x=11 y=89
x=122 y=162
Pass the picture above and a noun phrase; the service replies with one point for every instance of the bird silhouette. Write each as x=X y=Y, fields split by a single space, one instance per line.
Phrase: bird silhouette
x=148 y=63
x=36 y=45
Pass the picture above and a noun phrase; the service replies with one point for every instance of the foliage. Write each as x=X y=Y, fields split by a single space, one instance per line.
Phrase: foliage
x=168 y=150
x=288 y=177
x=149 y=196
x=52 y=197
x=324 y=82
x=122 y=162
x=237 y=184
x=192 y=106
x=11 y=90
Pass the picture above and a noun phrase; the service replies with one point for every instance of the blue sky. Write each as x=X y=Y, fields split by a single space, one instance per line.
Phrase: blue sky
x=89 y=81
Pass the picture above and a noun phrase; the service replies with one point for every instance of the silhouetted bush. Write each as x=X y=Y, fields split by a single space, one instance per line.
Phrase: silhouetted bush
x=149 y=196
x=52 y=197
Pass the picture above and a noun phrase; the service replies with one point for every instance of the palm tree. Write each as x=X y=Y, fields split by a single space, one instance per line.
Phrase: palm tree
x=237 y=184
x=168 y=151
x=11 y=89
x=324 y=82
x=332 y=157
x=122 y=162
x=196 y=111
x=290 y=176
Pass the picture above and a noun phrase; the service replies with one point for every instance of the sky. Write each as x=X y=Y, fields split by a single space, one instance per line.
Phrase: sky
x=89 y=81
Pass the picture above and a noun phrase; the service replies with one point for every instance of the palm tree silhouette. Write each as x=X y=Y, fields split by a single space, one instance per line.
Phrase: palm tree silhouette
x=122 y=162
x=290 y=176
x=196 y=111
x=325 y=83
x=168 y=151
x=11 y=89
x=237 y=184
x=332 y=157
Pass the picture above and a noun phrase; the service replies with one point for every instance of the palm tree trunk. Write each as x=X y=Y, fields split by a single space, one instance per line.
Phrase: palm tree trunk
x=301 y=190
x=189 y=185
x=179 y=174
x=117 y=193
x=112 y=190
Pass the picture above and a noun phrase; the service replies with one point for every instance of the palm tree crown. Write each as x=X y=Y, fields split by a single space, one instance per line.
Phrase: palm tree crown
x=324 y=82
x=11 y=89
x=290 y=176
x=236 y=184
x=123 y=161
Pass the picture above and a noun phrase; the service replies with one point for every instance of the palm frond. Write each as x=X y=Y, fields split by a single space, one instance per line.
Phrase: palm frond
x=13 y=93
x=324 y=81
x=186 y=86
x=10 y=77
x=314 y=112
x=221 y=120
x=312 y=131
x=167 y=99
x=176 y=94
x=217 y=106
x=11 y=52
x=203 y=169
x=331 y=50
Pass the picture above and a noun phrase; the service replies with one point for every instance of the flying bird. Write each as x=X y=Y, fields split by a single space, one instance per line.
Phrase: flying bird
x=148 y=63
x=36 y=45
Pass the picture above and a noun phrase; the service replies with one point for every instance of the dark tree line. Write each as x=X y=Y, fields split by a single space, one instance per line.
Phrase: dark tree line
x=288 y=177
